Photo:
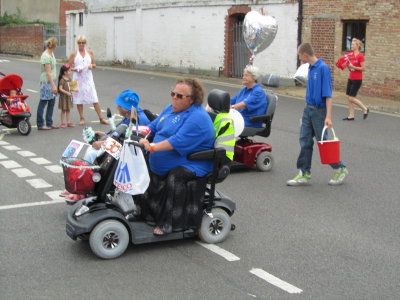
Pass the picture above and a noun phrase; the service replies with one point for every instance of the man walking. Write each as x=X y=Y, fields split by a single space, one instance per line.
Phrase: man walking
x=316 y=115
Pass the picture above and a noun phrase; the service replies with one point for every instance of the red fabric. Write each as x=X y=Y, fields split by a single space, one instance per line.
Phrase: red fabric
x=80 y=180
x=356 y=61
x=343 y=62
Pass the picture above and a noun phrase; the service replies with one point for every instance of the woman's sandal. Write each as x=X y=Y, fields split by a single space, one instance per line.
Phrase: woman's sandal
x=162 y=230
x=82 y=122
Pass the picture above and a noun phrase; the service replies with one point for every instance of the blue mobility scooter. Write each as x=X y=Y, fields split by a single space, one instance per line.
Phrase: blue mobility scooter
x=249 y=152
x=101 y=217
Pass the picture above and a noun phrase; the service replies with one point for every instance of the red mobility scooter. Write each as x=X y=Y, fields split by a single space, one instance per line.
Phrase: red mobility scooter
x=14 y=112
x=250 y=152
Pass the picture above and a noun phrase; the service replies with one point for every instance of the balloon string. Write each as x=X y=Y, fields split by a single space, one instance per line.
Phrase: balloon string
x=251 y=60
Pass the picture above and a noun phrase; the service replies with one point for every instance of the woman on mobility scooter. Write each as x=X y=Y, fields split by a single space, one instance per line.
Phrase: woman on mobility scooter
x=182 y=127
x=205 y=211
x=251 y=99
x=257 y=108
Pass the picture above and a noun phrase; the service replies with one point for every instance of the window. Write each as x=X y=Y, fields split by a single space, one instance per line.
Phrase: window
x=80 y=19
x=353 y=29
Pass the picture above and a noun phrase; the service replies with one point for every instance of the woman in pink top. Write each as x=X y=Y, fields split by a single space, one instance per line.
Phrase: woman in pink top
x=356 y=67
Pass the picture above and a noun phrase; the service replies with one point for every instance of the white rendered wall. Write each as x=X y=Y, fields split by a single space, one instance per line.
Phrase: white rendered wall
x=186 y=37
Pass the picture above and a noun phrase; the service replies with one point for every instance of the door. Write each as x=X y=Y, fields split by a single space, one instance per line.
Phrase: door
x=239 y=49
x=118 y=40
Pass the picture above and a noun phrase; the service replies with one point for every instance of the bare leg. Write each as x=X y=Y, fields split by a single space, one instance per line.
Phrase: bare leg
x=62 y=116
x=357 y=102
x=80 y=111
x=68 y=115
x=99 y=113
x=351 y=107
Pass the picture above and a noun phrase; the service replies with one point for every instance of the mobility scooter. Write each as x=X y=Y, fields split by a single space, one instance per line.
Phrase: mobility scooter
x=250 y=152
x=14 y=112
x=101 y=217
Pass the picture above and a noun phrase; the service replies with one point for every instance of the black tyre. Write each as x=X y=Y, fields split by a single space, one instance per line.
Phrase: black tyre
x=216 y=229
x=24 y=127
x=264 y=161
x=109 y=239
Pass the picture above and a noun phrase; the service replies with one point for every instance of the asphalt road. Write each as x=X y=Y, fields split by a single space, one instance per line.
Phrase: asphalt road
x=315 y=242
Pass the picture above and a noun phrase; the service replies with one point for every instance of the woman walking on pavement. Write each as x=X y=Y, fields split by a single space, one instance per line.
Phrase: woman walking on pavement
x=83 y=63
x=356 y=67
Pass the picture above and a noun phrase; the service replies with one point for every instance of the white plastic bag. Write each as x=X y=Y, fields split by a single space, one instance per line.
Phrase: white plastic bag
x=131 y=175
x=301 y=74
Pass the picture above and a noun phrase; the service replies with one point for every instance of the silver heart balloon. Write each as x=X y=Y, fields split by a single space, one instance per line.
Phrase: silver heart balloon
x=259 y=31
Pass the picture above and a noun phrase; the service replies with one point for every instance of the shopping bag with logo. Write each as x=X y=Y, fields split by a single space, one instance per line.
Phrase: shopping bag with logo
x=329 y=150
x=131 y=175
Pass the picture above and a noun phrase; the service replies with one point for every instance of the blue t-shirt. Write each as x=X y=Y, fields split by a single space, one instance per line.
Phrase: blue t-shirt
x=319 y=84
x=256 y=104
x=187 y=131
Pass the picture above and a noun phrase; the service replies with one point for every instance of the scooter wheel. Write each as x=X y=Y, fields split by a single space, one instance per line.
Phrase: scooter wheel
x=109 y=239
x=264 y=161
x=216 y=229
x=24 y=127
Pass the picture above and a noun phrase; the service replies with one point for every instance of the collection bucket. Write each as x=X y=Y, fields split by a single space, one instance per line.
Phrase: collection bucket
x=329 y=150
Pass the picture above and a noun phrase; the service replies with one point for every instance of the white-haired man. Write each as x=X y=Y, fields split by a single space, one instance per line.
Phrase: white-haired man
x=251 y=99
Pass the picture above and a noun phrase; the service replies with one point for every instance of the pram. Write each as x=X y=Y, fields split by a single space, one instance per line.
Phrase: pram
x=14 y=111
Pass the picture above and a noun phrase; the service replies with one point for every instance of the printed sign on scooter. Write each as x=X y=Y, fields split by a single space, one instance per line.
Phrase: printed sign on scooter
x=113 y=148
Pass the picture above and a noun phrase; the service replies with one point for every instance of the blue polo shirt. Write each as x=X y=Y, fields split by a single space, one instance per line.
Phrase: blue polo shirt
x=256 y=104
x=187 y=131
x=319 y=84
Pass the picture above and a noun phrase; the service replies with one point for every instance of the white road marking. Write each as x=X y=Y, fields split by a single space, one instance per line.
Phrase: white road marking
x=54 y=168
x=218 y=250
x=3 y=143
x=11 y=147
x=23 y=172
x=40 y=160
x=26 y=153
x=10 y=164
x=276 y=281
x=4 y=60
x=2 y=156
x=33 y=91
x=38 y=183
x=4 y=207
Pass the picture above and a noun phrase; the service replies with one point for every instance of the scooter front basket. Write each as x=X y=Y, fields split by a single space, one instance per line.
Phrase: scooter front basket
x=78 y=175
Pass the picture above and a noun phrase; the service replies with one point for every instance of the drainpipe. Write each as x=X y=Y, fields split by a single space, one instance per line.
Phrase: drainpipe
x=299 y=28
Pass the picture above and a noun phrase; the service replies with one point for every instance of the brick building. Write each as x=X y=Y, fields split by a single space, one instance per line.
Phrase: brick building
x=330 y=25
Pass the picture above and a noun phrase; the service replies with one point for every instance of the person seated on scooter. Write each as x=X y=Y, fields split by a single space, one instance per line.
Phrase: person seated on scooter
x=182 y=127
x=251 y=99
x=125 y=100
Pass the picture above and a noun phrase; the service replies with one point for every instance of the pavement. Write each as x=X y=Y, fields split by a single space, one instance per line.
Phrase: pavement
x=391 y=106
x=374 y=103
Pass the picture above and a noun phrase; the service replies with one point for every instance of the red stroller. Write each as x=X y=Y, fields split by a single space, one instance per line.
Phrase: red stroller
x=14 y=112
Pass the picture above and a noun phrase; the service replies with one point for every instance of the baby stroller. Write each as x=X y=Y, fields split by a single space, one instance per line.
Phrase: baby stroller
x=14 y=112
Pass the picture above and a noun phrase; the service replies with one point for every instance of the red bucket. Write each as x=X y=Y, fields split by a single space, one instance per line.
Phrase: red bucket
x=329 y=150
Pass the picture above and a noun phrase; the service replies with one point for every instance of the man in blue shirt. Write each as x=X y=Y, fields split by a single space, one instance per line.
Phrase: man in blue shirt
x=316 y=115
x=251 y=99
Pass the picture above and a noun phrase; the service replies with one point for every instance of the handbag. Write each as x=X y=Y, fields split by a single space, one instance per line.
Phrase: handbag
x=131 y=176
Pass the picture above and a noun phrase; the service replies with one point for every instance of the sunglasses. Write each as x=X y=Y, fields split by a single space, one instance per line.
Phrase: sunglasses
x=81 y=42
x=179 y=96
